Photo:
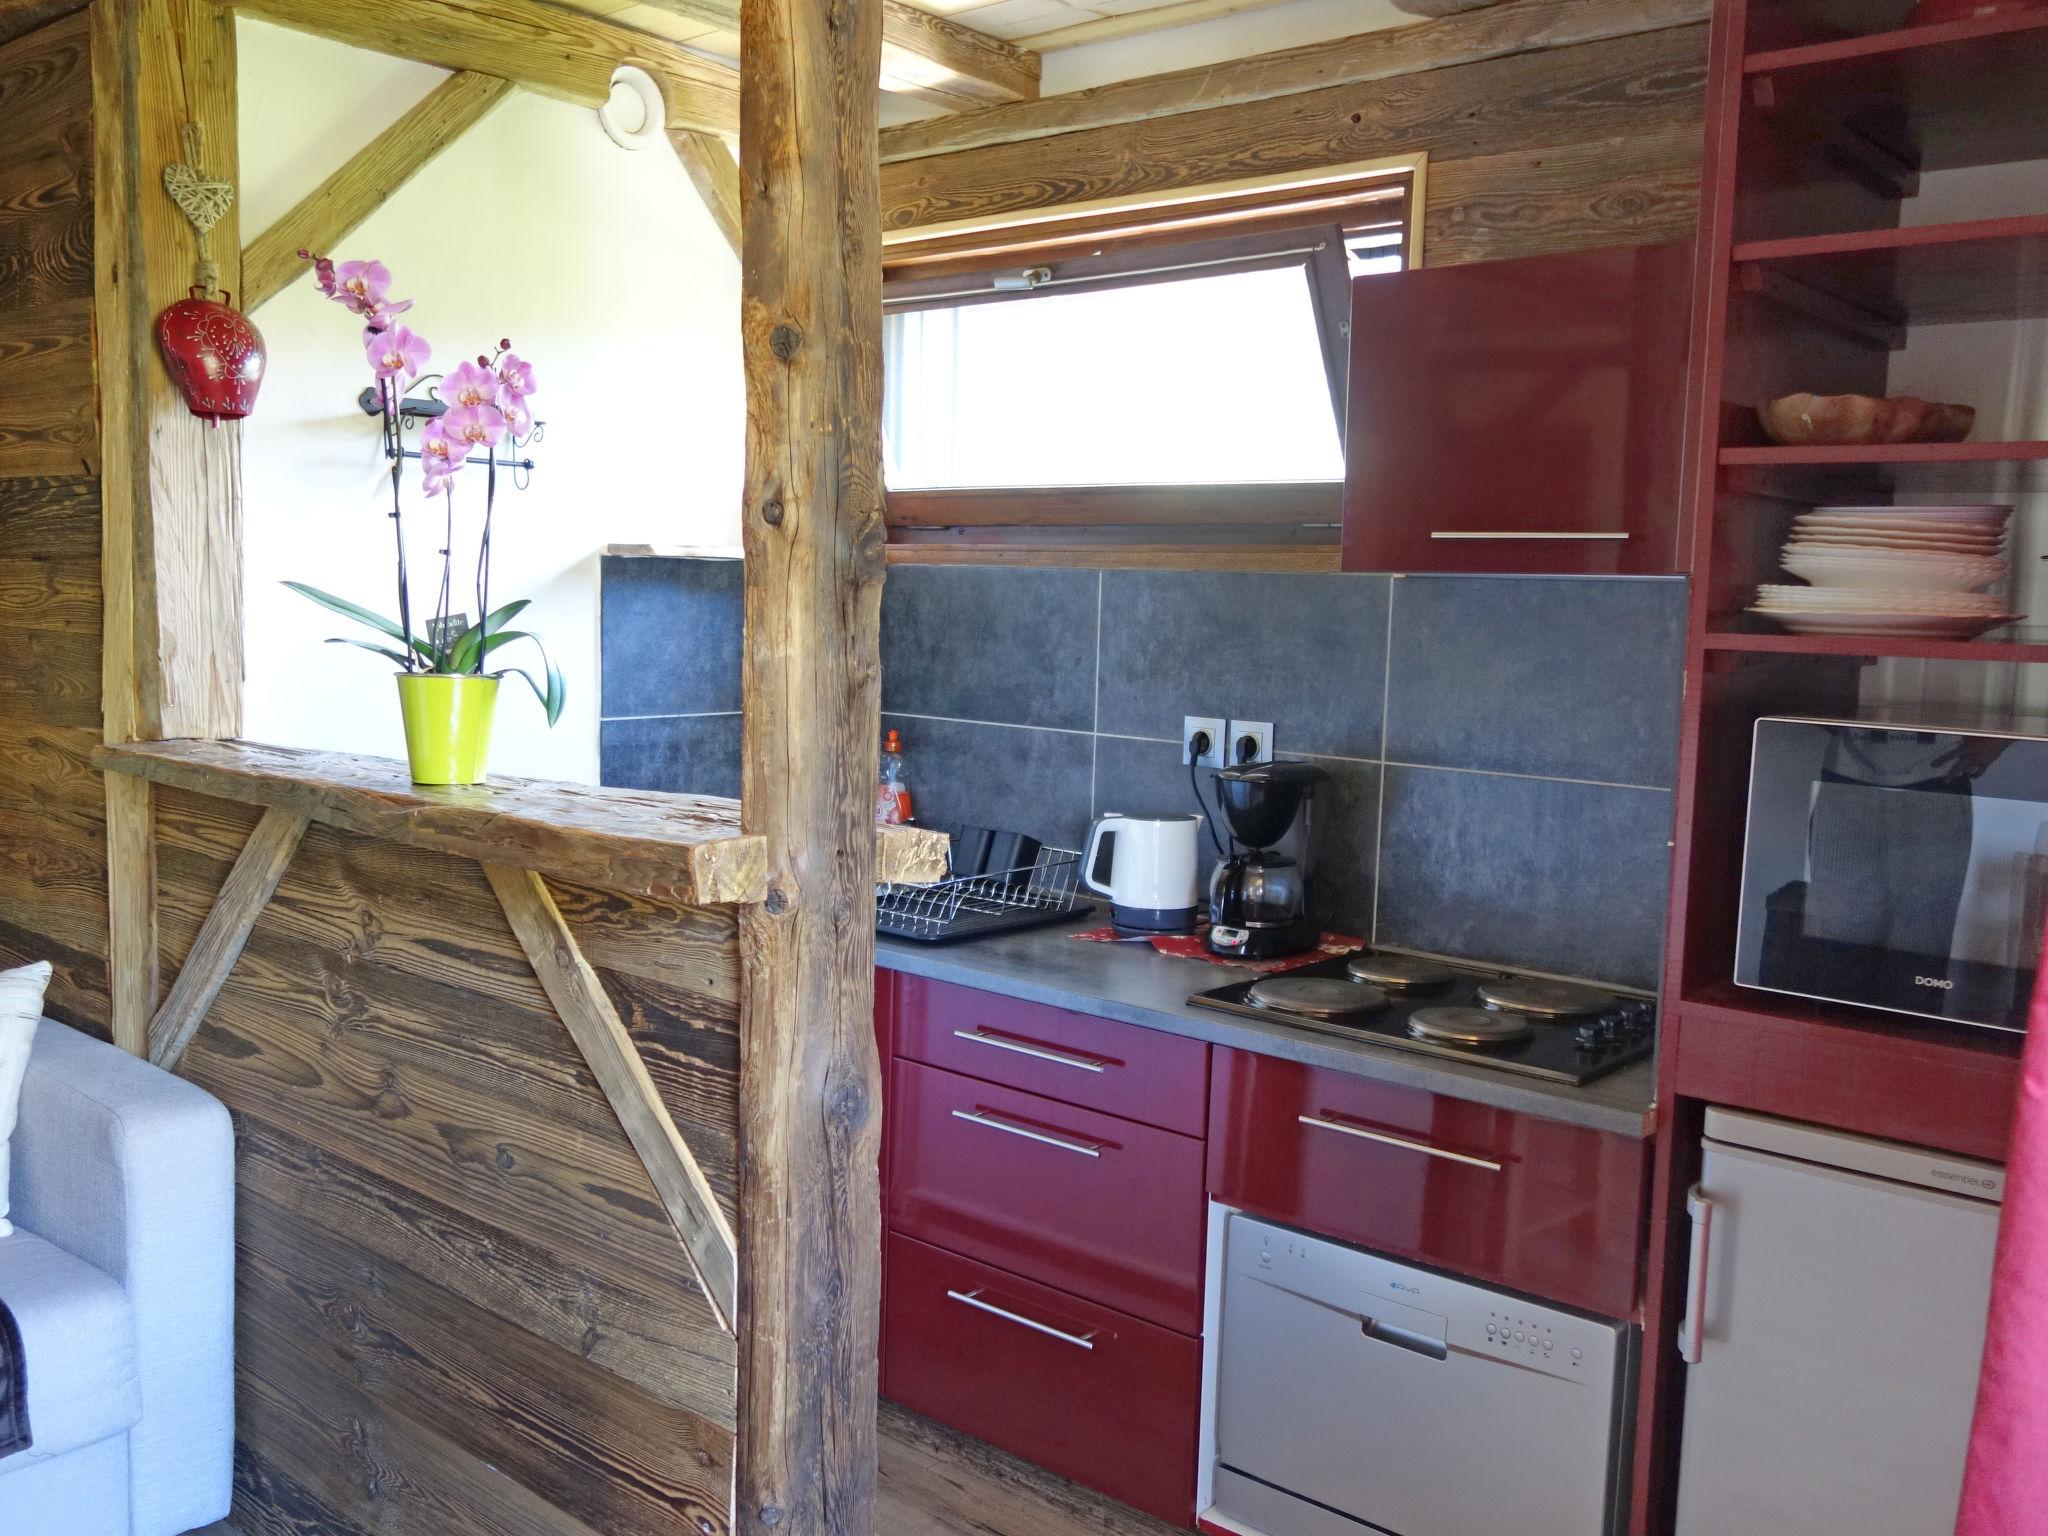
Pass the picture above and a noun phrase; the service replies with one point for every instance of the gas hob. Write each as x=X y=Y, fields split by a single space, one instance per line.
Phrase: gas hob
x=1562 y=1031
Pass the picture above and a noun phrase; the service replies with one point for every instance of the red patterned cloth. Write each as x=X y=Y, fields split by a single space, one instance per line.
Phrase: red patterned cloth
x=1192 y=946
x=2005 y=1488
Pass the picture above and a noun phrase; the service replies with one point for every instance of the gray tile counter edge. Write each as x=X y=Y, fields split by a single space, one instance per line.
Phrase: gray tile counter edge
x=1134 y=985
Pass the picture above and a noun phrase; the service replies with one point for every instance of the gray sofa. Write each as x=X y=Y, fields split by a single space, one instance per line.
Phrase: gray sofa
x=120 y=1273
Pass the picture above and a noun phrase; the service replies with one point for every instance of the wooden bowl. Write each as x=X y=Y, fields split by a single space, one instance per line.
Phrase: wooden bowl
x=1805 y=421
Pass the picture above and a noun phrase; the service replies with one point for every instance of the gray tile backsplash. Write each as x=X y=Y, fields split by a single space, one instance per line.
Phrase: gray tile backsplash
x=1306 y=652
x=1014 y=645
x=1569 y=678
x=1500 y=749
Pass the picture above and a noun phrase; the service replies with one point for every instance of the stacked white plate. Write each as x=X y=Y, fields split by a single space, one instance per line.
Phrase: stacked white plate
x=1893 y=570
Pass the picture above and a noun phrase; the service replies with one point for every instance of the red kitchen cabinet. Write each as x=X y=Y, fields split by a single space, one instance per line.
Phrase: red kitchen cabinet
x=1120 y=1069
x=1100 y=1207
x=1519 y=416
x=1551 y=1209
x=1093 y=1395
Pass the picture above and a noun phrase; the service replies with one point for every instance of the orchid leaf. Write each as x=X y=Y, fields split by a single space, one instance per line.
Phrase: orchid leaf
x=371 y=645
x=362 y=615
x=552 y=697
x=464 y=653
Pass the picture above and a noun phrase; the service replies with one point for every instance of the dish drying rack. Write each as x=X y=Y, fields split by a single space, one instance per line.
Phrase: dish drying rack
x=974 y=906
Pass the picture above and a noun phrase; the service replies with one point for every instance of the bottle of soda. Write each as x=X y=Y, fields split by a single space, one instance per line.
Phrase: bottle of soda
x=892 y=799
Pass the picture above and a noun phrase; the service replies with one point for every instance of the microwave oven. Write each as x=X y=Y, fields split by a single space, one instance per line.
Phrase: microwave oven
x=1895 y=866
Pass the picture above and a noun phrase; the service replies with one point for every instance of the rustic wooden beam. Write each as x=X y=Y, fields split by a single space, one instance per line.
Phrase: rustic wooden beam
x=810 y=1081
x=687 y=848
x=923 y=53
x=1523 y=27
x=243 y=896
x=171 y=656
x=1103 y=29
x=594 y=1024
x=716 y=176
x=561 y=53
x=333 y=210
x=133 y=978
x=1616 y=91
x=936 y=58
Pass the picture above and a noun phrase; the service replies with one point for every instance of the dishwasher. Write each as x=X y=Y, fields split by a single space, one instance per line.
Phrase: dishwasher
x=1834 y=1325
x=1348 y=1394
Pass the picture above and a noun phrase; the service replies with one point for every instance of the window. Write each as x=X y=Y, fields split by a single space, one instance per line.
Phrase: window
x=1202 y=343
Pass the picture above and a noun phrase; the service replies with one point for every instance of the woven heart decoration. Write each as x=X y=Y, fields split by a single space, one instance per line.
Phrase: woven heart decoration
x=204 y=202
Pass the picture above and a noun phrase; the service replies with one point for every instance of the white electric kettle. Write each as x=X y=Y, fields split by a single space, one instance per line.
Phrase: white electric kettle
x=1145 y=865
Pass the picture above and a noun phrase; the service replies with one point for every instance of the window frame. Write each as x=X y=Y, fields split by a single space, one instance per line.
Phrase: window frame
x=1298 y=219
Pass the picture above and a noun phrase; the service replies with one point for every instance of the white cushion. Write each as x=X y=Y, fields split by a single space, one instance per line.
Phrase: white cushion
x=78 y=1345
x=21 y=1009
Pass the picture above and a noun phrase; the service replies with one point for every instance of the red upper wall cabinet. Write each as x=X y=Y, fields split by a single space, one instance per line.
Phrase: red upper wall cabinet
x=1519 y=416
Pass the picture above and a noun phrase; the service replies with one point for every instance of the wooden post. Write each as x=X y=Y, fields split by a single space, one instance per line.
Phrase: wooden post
x=811 y=326
x=171 y=539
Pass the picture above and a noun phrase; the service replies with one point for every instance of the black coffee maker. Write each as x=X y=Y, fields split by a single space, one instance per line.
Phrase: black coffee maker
x=1261 y=896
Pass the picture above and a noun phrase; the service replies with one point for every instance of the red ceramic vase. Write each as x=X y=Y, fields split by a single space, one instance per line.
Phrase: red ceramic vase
x=214 y=353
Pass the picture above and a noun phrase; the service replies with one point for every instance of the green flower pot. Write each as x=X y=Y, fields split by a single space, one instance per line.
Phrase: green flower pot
x=447 y=725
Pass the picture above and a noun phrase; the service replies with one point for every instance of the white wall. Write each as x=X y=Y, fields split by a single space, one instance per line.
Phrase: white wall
x=602 y=267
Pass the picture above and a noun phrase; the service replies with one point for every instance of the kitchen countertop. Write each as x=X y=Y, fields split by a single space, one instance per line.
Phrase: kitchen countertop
x=1138 y=985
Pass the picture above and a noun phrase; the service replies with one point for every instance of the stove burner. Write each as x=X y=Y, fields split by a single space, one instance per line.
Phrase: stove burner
x=1322 y=997
x=1399 y=973
x=1534 y=994
x=1469 y=1026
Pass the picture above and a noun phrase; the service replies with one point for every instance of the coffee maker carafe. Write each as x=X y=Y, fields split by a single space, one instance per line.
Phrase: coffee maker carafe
x=1261 y=898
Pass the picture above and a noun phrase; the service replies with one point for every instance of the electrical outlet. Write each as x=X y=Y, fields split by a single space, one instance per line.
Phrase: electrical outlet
x=1259 y=733
x=1213 y=727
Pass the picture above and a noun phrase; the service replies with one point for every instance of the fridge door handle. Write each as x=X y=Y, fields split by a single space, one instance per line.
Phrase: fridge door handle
x=1692 y=1332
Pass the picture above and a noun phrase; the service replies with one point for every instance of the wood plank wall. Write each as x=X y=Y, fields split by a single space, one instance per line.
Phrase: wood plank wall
x=1558 y=149
x=462 y=1308
x=53 y=893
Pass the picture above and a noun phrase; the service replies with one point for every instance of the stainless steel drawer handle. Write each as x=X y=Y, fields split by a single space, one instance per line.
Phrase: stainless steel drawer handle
x=1508 y=533
x=973 y=1299
x=1400 y=1141
x=1035 y=1052
x=982 y=1117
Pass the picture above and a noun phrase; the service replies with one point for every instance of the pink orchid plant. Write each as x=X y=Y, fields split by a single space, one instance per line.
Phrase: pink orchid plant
x=485 y=402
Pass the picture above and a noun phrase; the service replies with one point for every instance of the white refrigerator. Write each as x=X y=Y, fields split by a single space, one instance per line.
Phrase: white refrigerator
x=1834 y=1326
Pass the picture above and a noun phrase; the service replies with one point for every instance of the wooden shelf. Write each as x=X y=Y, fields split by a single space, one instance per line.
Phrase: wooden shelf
x=1940 y=274
x=1944 y=1086
x=683 y=847
x=2014 y=643
x=1923 y=93
x=1833 y=473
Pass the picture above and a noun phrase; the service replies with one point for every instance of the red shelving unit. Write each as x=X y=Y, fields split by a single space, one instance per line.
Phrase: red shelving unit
x=1823 y=116
x=1858 y=1071
x=2016 y=644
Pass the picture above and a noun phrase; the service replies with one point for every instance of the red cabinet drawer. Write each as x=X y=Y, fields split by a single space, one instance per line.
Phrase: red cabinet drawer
x=1529 y=1203
x=1100 y=1207
x=1120 y=1069
x=1104 y=1399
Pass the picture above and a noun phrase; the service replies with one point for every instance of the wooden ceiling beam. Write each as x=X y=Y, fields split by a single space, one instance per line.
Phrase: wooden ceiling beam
x=925 y=55
x=716 y=176
x=566 y=54
x=1523 y=27
x=334 y=209
x=939 y=60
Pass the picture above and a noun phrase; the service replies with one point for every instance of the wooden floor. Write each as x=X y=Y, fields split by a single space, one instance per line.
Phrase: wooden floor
x=937 y=1483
